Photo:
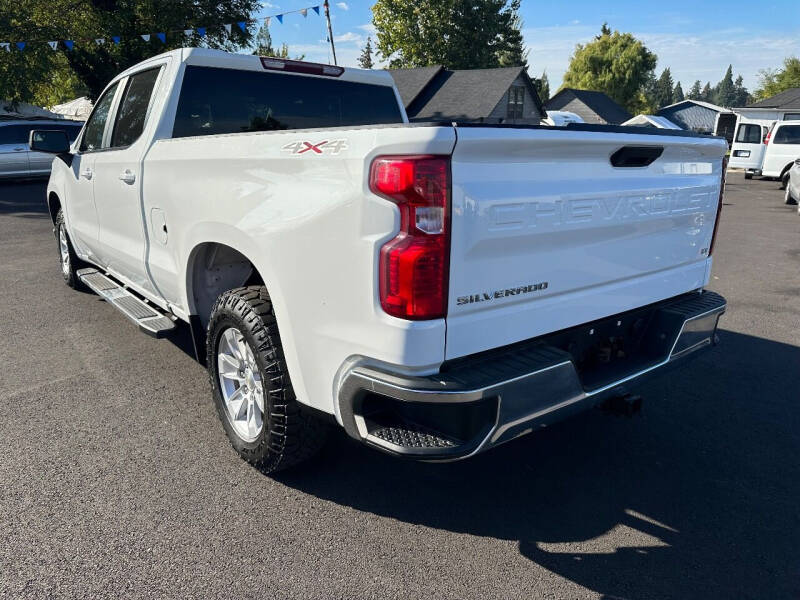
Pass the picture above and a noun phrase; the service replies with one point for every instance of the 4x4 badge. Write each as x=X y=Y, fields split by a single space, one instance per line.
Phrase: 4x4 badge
x=323 y=147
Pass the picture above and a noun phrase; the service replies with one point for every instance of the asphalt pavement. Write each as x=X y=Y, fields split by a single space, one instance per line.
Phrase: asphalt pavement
x=116 y=479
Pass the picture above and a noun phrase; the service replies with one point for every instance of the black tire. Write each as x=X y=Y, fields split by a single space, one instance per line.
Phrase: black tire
x=748 y=175
x=784 y=180
x=289 y=435
x=70 y=271
x=788 y=199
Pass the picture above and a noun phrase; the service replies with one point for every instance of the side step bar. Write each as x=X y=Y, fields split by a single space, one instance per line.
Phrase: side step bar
x=149 y=318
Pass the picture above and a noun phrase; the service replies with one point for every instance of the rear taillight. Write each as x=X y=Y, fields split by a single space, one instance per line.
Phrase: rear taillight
x=414 y=265
x=719 y=205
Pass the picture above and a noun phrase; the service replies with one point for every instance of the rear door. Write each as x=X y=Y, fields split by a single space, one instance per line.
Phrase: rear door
x=748 y=146
x=117 y=182
x=13 y=151
x=547 y=233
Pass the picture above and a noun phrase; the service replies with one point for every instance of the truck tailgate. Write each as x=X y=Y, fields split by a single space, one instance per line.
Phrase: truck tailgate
x=548 y=234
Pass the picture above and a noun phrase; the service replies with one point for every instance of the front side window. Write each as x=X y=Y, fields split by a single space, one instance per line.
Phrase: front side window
x=749 y=134
x=96 y=125
x=788 y=134
x=15 y=134
x=133 y=108
x=215 y=101
x=516 y=102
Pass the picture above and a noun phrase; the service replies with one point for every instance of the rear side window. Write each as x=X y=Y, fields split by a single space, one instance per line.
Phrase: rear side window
x=214 y=101
x=788 y=134
x=15 y=134
x=749 y=134
x=96 y=125
x=133 y=108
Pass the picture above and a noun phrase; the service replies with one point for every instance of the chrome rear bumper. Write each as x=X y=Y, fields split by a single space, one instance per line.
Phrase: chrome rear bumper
x=479 y=402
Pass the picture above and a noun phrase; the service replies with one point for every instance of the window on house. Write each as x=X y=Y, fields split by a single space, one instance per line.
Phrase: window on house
x=791 y=117
x=516 y=101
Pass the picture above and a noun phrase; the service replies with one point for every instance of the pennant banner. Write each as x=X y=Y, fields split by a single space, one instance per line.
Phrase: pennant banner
x=161 y=36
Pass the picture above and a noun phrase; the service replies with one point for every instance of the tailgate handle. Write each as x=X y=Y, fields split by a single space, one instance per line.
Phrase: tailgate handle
x=636 y=156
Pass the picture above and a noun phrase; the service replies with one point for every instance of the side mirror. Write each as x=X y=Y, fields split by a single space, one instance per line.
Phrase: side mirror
x=49 y=140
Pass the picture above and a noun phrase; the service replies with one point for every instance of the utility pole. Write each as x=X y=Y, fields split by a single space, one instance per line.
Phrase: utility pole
x=330 y=30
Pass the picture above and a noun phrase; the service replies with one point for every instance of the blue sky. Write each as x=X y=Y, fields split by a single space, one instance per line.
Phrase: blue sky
x=696 y=39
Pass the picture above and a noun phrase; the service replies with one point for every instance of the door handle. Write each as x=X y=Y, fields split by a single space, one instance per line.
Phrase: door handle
x=127 y=176
x=87 y=173
x=18 y=149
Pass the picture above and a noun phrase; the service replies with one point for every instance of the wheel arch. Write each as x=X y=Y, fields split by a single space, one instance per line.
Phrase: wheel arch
x=53 y=205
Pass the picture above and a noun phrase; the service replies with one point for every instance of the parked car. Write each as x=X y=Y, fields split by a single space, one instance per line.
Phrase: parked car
x=783 y=148
x=561 y=118
x=16 y=158
x=793 y=185
x=435 y=289
x=748 y=147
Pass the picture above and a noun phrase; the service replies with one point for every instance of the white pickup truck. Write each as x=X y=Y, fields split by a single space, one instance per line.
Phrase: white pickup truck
x=435 y=289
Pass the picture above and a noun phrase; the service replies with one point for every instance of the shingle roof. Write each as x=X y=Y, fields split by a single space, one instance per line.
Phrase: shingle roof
x=786 y=99
x=605 y=107
x=410 y=82
x=702 y=103
x=453 y=95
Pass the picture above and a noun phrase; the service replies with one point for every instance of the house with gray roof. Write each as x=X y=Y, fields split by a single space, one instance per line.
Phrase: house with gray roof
x=702 y=117
x=592 y=107
x=780 y=107
x=504 y=95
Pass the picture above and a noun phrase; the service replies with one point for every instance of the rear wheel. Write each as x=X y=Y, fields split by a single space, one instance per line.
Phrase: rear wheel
x=785 y=181
x=250 y=381
x=748 y=175
x=68 y=260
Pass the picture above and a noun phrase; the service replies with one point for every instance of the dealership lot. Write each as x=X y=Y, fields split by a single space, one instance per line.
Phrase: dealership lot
x=116 y=477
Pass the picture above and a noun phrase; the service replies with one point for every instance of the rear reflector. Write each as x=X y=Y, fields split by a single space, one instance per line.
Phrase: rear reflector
x=297 y=66
x=414 y=265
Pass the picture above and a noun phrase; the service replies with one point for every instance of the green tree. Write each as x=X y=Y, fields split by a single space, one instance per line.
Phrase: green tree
x=615 y=63
x=514 y=52
x=542 y=86
x=742 y=96
x=677 y=93
x=264 y=47
x=773 y=81
x=707 y=95
x=696 y=91
x=38 y=21
x=365 y=60
x=663 y=89
x=459 y=34
x=725 y=93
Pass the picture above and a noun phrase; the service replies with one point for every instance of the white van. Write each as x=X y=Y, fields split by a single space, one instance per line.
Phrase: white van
x=782 y=149
x=749 y=147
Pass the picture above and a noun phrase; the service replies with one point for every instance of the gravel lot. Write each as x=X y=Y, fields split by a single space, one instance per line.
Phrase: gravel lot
x=116 y=479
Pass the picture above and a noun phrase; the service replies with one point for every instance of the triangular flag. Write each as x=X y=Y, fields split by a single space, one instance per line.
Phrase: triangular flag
x=100 y=41
x=242 y=25
x=69 y=44
x=304 y=12
x=188 y=32
x=162 y=37
x=267 y=20
x=280 y=18
x=115 y=39
x=201 y=31
x=146 y=37
x=53 y=45
x=20 y=45
x=316 y=9
x=228 y=28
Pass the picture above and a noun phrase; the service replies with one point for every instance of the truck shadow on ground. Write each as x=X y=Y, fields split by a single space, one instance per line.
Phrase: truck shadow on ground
x=696 y=498
x=23 y=198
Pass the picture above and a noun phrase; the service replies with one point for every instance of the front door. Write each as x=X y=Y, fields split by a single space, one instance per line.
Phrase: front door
x=13 y=151
x=80 y=207
x=117 y=185
x=748 y=146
